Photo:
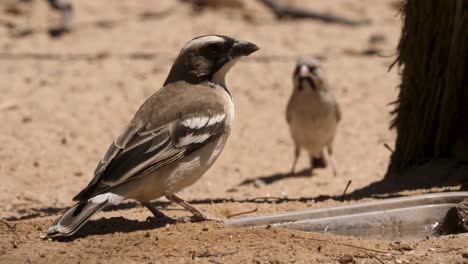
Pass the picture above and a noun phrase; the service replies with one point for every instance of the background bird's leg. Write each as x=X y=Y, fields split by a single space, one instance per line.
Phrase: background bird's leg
x=296 y=156
x=66 y=19
x=332 y=161
x=198 y=215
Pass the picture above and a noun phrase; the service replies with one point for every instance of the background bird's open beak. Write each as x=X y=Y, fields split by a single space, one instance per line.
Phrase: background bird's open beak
x=304 y=71
x=243 y=48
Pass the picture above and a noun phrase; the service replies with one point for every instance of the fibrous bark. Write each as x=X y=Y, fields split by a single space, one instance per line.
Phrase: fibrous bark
x=431 y=114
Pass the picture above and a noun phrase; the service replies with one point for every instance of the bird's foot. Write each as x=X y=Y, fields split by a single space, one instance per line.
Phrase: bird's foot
x=197 y=218
x=319 y=162
x=158 y=216
x=198 y=215
x=160 y=220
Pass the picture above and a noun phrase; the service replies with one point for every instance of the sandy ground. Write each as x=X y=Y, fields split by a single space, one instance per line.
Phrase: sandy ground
x=64 y=100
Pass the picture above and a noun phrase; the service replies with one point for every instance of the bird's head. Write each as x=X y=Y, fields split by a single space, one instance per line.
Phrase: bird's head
x=208 y=58
x=308 y=74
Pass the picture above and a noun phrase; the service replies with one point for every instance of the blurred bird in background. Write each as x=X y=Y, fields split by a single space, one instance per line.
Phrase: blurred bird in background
x=312 y=114
x=14 y=10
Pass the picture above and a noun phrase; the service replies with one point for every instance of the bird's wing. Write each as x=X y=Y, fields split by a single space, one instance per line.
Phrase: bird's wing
x=151 y=142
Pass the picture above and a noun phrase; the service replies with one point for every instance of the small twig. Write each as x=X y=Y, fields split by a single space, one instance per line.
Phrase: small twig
x=363 y=248
x=369 y=256
x=12 y=228
x=345 y=190
x=207 y=254
x=242 y=213
x=449 y=250
x=352 y=246
x=388 y=147
x=378 y=260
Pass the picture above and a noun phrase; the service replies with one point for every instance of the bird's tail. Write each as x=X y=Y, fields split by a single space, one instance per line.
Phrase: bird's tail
x=79 y=214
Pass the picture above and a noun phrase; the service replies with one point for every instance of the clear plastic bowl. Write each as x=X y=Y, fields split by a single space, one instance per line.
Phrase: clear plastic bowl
x=404 y=218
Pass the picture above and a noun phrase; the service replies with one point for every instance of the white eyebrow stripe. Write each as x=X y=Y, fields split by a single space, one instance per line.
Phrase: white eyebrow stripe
x=199 y=42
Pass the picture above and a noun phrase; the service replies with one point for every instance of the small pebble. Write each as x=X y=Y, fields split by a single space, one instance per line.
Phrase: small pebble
x=346 y=259
x=26 y=119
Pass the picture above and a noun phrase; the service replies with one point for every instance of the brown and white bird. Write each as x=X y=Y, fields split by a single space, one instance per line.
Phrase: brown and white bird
x=312 y=114
x=172 y=140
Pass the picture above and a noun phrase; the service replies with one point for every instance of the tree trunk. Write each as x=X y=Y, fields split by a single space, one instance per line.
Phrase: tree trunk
x=431 y=113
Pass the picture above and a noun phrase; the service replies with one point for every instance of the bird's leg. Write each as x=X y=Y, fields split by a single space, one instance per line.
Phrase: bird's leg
x=67 y=17
x=198 y=215
x=156 y=213
x=332 y=161
x=296 y=156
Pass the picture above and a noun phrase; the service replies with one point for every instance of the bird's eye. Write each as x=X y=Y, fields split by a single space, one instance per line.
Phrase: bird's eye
x=312 y=68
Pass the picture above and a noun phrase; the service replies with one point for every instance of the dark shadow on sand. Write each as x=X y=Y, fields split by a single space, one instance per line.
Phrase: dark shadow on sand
x=112 y=225
x=434 y=174
x=269 y=179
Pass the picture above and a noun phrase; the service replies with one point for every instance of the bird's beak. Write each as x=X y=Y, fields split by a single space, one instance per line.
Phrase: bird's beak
x=243 y=48
x=304 y=74
x=304 y=71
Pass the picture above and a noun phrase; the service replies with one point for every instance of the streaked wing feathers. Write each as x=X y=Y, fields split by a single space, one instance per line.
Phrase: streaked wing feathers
x=137 y=151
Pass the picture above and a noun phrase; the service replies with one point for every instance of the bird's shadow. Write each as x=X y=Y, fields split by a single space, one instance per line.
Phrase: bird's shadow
x=112 y=225
x=269 y=179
